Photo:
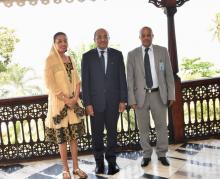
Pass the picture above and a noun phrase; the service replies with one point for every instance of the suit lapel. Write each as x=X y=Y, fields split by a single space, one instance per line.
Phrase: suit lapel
x=109 y=58
x=96 y=54
x=97 y=59
x=156 y=59
x=140 y=58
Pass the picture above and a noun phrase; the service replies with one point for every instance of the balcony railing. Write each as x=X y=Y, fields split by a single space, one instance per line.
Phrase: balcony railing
x=201 y=103
x=22 y=131
x=22 y=123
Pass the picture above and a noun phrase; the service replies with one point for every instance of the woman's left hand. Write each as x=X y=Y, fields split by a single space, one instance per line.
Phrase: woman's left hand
x=73 y=102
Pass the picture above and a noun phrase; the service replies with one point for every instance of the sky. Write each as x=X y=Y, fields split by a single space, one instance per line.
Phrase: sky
x=36 y=25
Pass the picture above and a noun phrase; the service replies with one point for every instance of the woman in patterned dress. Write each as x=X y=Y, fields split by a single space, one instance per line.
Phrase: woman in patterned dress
x=63 y=84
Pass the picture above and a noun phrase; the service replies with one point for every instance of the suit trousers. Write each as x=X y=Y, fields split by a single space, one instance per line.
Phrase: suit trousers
x=107 y=119
x=158 y=109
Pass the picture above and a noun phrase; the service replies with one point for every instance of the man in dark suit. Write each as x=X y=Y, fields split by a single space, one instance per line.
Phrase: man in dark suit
x=104 y=90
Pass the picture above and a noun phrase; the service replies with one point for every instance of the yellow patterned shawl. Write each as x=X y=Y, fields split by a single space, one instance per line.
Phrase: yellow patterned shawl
x=57 y=81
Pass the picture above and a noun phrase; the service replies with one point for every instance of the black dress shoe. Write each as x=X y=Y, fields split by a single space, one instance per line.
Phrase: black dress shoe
x=145 y=162
x=99 y=169
x=164 y=161
x=113 y=169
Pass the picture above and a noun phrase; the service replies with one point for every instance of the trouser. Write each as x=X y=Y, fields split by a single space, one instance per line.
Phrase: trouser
x=153 y=104
x=107 y=119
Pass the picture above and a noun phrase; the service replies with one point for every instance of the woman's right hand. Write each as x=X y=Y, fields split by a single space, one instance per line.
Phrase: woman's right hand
x=68 y=102
x=73 y=101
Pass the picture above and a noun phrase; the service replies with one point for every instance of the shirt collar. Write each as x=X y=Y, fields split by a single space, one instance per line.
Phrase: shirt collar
x=102 y=50
x=150 y=48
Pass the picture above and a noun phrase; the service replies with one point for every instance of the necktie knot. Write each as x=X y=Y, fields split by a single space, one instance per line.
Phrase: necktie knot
x=146 y=50
x=102 y=52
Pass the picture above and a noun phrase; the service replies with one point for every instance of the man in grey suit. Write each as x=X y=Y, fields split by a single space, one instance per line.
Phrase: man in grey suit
x=150 y=89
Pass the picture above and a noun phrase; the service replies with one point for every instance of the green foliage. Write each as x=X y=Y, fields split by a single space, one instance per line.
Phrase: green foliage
x=194 y=68
x=15 y=80
x=8 y=40
x=18 y=81
x=77 y=54
x=217 y=28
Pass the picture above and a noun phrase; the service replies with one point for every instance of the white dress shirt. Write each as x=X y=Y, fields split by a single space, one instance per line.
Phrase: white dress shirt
x=152 y=65
x=105 y=56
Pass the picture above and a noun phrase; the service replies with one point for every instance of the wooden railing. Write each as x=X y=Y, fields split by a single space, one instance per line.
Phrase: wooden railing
x=201 y=103
x=22 y=131
x=22 y=123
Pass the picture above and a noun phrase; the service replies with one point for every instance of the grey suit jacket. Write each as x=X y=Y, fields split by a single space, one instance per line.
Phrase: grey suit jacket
x=136 y=75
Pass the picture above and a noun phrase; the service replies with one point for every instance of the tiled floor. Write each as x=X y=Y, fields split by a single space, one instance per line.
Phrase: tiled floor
x=194 y=160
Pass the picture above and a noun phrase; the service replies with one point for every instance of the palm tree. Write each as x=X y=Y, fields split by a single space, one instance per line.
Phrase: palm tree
x=216 y=28
x=19 y=81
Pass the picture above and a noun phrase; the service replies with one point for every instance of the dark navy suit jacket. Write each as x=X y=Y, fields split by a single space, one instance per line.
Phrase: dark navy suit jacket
x=101 y=89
